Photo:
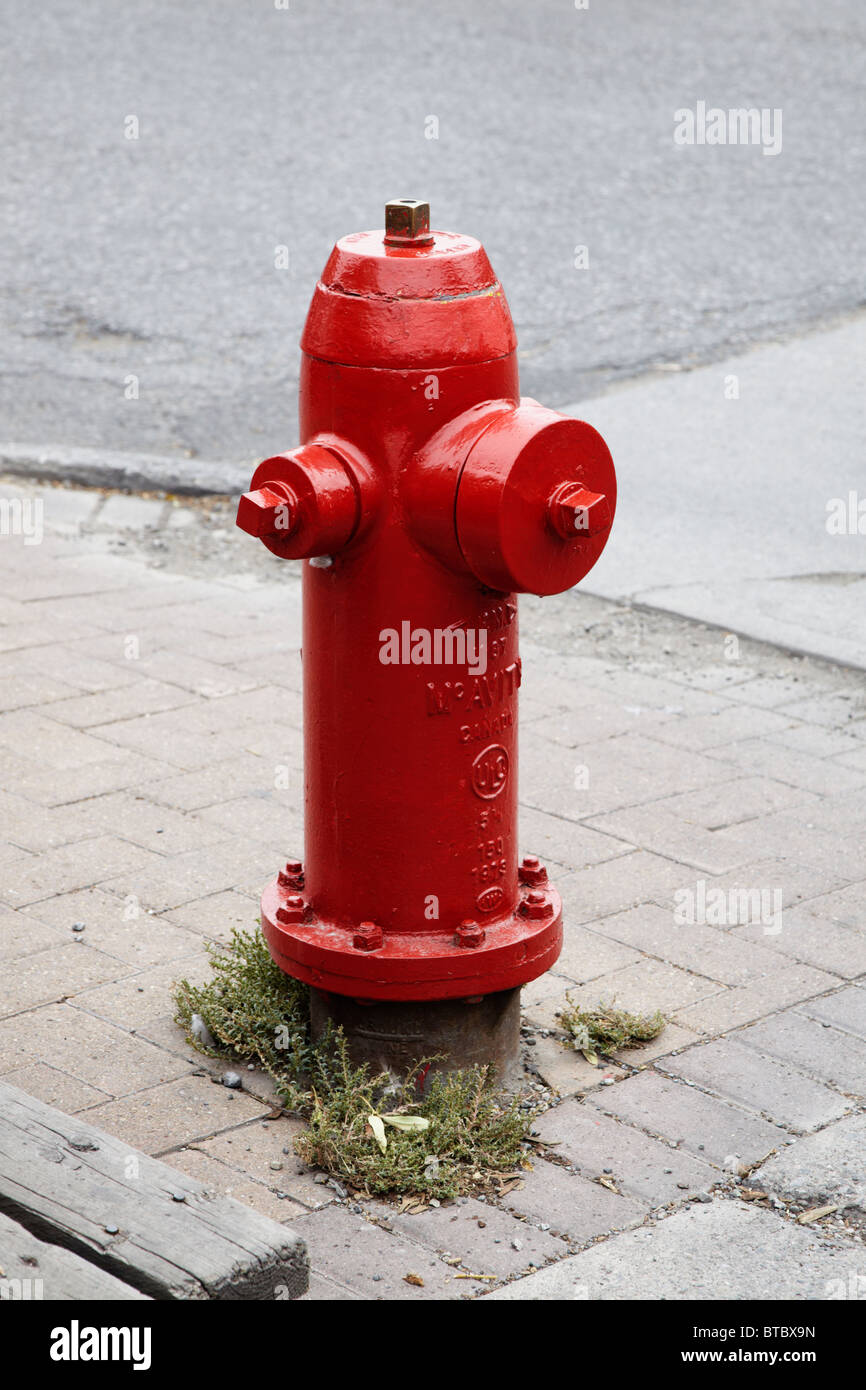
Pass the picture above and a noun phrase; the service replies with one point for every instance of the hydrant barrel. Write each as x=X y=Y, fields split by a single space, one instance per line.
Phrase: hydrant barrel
x=425 y=495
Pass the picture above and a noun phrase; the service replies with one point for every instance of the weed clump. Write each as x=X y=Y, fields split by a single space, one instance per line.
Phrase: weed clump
x=462 y=1138
x=253 y=1011
x=369 y=1130
x=606 y=1029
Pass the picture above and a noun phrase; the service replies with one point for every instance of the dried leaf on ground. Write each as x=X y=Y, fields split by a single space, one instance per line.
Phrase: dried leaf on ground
x=815 y=1213
x=376 y=1125
x=409 y=1124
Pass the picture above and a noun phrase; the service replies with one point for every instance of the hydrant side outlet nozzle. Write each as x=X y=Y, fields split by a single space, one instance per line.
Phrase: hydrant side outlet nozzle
x=268 y=511
x=426 y=495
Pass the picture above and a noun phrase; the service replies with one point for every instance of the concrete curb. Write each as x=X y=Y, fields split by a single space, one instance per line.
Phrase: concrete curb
x=127 y=472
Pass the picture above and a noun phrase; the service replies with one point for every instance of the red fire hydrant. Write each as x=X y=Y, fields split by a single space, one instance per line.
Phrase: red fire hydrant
x=425 y=495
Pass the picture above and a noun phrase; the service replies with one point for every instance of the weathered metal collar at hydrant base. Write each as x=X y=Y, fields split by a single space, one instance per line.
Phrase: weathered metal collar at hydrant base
x=442 y=1034
x=425 y=495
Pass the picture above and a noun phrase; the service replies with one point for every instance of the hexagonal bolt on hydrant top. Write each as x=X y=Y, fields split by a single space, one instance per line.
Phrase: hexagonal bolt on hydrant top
x=425 y=495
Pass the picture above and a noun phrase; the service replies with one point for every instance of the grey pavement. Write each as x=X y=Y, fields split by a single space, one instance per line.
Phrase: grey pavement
x=725 y=1251
x=822 y=1169
x=728 y=503
x=702 y=813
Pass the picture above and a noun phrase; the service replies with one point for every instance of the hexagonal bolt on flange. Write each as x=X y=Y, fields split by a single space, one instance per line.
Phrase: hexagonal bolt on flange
x=469 y=934
x=292 y=875
x=368 y=937
x=576 y=512
x=532 y=870
x=293 y=909
x=536 y=905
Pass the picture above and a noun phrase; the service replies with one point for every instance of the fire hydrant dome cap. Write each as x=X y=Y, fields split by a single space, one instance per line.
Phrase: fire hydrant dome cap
x=435 y=304
x=363 y=263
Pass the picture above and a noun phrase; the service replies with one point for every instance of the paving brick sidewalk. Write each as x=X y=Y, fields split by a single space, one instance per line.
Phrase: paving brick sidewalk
x=150 y=760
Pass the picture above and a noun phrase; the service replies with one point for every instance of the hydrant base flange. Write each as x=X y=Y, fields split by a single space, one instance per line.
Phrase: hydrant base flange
x=397 y=1037
x=408 y=966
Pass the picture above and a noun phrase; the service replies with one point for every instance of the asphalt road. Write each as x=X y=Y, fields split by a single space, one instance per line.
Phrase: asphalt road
x=262 y=127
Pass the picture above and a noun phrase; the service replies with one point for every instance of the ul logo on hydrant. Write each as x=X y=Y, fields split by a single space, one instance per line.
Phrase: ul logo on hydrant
x=431 y=509
x=490 y=770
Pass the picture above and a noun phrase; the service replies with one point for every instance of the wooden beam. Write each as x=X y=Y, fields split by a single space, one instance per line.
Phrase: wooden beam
x=147 y=1225
x=31 y=1271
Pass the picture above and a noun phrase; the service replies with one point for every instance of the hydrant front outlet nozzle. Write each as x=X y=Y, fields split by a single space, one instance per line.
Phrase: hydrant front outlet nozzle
x=425 y=496
x=577 y=512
